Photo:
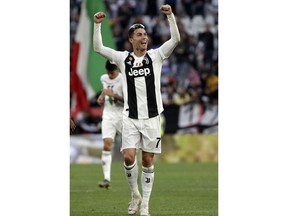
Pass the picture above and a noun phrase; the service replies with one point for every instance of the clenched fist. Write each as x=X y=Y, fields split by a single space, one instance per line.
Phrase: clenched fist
x=166 y=9
x=99 y=17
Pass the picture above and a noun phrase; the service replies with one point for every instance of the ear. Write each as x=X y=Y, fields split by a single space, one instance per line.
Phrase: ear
x=131 y=40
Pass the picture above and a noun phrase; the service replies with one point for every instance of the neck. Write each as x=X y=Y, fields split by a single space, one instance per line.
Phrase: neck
x=139 y=52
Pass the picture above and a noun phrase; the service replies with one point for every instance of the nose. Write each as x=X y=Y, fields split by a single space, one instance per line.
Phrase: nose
x=144 y=37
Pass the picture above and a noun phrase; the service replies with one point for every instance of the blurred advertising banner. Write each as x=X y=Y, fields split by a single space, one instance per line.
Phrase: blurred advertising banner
x=191 y=118
x=175 y=148
x=189 y=148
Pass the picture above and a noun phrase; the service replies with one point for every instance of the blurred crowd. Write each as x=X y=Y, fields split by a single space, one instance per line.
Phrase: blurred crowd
x=190 y=74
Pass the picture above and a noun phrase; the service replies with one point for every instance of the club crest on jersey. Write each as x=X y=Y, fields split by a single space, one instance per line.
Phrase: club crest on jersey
x=139 y=72
x=146 y=60
x=130 y=59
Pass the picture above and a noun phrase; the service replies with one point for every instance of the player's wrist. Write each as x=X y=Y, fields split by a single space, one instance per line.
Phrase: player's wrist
x=170 y=16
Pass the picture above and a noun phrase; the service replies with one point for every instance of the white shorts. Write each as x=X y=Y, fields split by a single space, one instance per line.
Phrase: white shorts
x=110 y=127
x=141 y=134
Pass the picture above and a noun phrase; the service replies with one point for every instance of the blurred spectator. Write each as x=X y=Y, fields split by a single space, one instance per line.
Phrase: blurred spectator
x=166 y=69
x=140 y=6
x=126 y=46
x=187 y=6
x=211 y=87
x=75 y=7
x=198 y=7
x=89 y=121
x=191 y=49
x=143 y=20
x=124 y=14
x=207 y=38
x=182 y=97
x=194 y=86
x=118 y=37
x=159 y=32
x=181 y=66
x=112 y=8
x=169 y=95
x=172 y=3
x=152 y=8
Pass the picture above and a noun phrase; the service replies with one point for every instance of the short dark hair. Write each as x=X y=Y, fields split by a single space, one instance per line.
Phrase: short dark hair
x=109 y=66
x=134 y=27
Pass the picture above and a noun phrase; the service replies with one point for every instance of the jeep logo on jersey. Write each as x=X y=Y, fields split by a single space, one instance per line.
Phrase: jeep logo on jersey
x=139 y=72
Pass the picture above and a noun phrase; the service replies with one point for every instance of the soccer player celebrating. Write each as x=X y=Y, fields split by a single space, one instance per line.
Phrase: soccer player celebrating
x=112 y=98
x=141 y=72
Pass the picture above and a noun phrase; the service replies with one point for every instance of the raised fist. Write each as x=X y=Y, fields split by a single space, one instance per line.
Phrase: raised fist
x=99 y=17
x=166 y=9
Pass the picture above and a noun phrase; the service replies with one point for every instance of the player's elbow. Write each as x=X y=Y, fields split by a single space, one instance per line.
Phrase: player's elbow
x=178 y=39
x=96 y=47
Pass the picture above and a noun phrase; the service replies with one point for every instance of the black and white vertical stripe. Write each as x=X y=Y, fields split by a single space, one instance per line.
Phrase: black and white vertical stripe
x=141 y=87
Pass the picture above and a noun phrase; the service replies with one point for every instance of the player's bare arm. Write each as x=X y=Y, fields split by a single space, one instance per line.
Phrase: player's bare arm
x=118 y=98
x=100 y=99
x=109 y=92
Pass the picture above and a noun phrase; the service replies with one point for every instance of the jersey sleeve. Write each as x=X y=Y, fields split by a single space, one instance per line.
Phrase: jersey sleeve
x=166 y=49
x=98 y=46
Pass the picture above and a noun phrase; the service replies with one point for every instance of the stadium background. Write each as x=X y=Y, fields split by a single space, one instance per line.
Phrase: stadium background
x=189 y=77
x=253 y=88
x=188 y=166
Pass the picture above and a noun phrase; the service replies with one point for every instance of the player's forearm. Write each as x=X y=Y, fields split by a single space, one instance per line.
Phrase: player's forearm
x=175 y=35
x=100 y=99
x=97 y=37
x=167 y=48
x=118 y=97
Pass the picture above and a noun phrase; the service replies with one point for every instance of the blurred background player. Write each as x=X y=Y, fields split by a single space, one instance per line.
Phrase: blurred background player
x=141 y=70
x=112 y=99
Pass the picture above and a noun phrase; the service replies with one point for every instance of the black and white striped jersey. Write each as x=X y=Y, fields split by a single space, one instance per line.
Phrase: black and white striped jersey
x=140 y=75
x=141 y=83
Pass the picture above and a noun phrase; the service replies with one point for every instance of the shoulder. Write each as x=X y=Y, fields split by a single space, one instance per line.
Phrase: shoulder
x=150 y=51
x=119 y=78
x=123 y=53
x=119 y=57
x=154 y=53
x=104 y=77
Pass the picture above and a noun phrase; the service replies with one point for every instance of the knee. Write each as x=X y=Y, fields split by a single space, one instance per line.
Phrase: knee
x=107 y=144
x=147 y=160
x=129 y=159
